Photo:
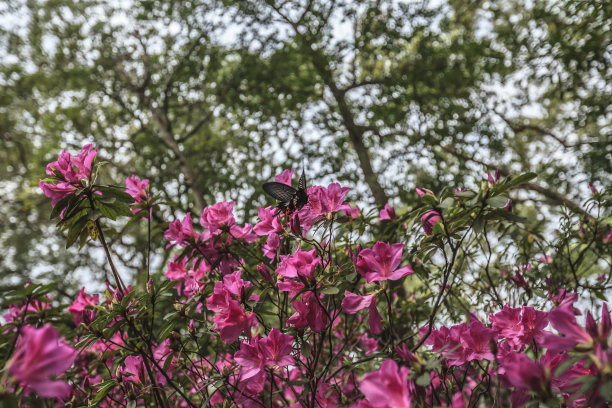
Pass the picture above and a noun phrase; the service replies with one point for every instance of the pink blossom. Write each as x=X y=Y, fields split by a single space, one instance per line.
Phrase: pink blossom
x=285 y=177
x=593 y=188
x=39 y=354
x=277 y=348
x=180 y=232
x=494 y=178
x=353 y=212
x=563 y=320
x=137 y=188
x=422 y=192
x=546 y=259
x=353 y=303
x=478 y=342
x=300 y=264
x=607 y=238
x=250 y=358
x=232 y=318
x=218 y=215
x=387 y=213
x=245 y=233
x=308 y=313
x=269 y=222
x=70 y=171
x=429 y=220
x=272 y=244
x=79 y=307
x=332 y=198
x=381 y=262
x=387 y=386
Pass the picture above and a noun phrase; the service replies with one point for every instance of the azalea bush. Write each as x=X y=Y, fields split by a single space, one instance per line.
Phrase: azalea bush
x=459 y=301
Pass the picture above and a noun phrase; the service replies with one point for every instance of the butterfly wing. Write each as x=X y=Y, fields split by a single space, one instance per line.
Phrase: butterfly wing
x=279 y=191
x=302 y=182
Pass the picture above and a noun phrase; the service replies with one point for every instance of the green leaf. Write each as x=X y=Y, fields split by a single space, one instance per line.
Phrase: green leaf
x=117 y=192
x=331 y=290
x=499 y=201
x=165 y=331
x=75 y=230
x=479 y=224
x=105 y=387
x=55 y=212
x=518 y=180
x=431 y=201
x=423 y=380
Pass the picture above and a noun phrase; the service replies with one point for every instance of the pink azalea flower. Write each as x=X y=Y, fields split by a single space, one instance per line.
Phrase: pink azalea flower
x=478 y=342
x=218 y=215
x=387 y=213
x=277 y=348
x=40 y=354
x=546 y=259
x=494 y=178
x=272 y=244
x=285 y=177
x=300 y=264
x=70 y=171
x=353 y=212
x=232 y=318
x=269 y=222
x=332 y=198
x=79 y=307
x=563 y=320
x=593 y=189
x=607 y=238
x=422 y=192
x=353 y=303
x=137 y=188
x=388 y=386
x=133 y=370
x=308 y=313
x=250 y=358
x=429 y=220
x=533 y=323
x=177 y=270
x=245 y=233
x=507 y=324
x=380 y=263
x=180 y=232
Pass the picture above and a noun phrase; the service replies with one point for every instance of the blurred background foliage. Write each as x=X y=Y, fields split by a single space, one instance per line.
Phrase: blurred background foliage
x=209 y=99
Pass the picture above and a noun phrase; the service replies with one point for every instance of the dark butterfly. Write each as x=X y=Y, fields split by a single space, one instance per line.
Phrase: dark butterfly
x=291 y=200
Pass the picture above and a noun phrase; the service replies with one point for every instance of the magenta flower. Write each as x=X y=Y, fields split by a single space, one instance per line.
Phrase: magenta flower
x=79 y=307
x=477 y=340
x=493 y=178
x=69 y=171
x=250 y=358
x=387 y=213
x=232 y=318
x=607 y=238
x=546 y=259
x=277 y=348
x=300 y=264
x=353 y=303
x=429 y=220
x=593 y=188
x=523 y=373
x=563 y=320
x=180 y=232
x=40 y=354
x=218 y=215
x=507 y=324
x=380 y=263
x=269 y=222
x=285 y=177
x=308 y=313
x=353 y=212
x=387 y=386
x=245 y=233
x=137 y=188
x=422 y=192
x=323 y=201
